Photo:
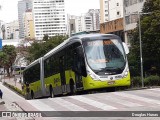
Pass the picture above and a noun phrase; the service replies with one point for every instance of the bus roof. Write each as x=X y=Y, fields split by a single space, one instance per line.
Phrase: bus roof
x=33 y=63
x=77 y=37
x=93 y=35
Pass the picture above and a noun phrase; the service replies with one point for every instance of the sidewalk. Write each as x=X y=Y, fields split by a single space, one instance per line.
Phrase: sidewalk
x=11 y=81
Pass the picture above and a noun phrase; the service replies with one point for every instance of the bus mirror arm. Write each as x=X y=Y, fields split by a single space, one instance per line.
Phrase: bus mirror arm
x=83 y=71
x=125 y=47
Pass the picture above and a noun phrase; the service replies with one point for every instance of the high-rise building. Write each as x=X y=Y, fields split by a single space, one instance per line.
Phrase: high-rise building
x=87 y=22
x=111 y=13
x=12 y=30
x=74 y=24
x=111 y=10
x=29 y=25
x=95 y=14
x=131 y=11
x=23 y=5
x=49 y=18
x=0 y=29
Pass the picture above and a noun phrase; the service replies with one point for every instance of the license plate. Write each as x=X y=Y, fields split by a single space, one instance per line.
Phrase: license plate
x=111 y=82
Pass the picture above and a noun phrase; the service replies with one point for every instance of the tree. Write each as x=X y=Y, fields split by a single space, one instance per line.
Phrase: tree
x=7 y=57
x=39 y=49
x=46 y=37
x=150 y=27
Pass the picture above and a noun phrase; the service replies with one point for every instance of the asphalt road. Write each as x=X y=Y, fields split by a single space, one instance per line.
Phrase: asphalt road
x=146 y=102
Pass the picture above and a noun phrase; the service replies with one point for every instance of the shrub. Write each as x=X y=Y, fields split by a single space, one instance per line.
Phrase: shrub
x=153 y=80
x=15 y=89
x=136 y=81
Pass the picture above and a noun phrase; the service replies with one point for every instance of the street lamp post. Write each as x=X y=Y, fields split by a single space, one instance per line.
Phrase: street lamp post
x=140 y=43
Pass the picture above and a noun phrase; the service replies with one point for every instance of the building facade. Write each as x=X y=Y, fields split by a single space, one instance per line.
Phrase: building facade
x=1 y=35
x=111 y=13
x=74 y=24
x=23 y=5
x=111 y=10
x=29 y=25
x=131 y=16
x=11 y=30
x=95 y=14
x=49 y=18
x=87 y=22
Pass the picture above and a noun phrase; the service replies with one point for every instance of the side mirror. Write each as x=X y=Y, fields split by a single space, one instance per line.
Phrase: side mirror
x=125 y=47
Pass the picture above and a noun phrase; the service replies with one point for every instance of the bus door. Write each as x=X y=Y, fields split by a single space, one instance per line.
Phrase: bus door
x=77 y=69
x=62 y=74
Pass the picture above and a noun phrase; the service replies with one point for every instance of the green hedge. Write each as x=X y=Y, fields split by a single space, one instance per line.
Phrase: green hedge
x=15 y=89
x=153 y=80
x=136 y=82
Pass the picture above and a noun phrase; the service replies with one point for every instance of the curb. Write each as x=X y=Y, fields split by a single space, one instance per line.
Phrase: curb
x=13 y=89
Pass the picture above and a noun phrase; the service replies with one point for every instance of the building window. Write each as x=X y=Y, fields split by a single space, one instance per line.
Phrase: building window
x=117 y=4
x=118 y=13
x=134 y=18
x=133 y=2
x=140 y=0
x=127 y=20
x=126 y=3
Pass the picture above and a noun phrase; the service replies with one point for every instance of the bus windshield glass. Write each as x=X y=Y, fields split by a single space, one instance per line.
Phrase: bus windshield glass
x=105 y=56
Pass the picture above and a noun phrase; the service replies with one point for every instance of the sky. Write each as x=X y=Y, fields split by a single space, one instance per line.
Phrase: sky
x=9 y=11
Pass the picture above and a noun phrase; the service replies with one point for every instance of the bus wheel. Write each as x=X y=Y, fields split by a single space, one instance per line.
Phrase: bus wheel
x=111 y=89
x=72 y=88
x=32 y=95
x=51 y=92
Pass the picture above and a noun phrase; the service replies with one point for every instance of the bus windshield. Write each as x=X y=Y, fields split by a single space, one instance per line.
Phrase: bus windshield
x=105 y=56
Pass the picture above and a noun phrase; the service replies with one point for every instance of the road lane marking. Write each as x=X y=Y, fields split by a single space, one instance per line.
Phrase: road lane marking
x=40 y=105
x=123 y=102
x=93 y=103
x=67 y=104
x=137 y=97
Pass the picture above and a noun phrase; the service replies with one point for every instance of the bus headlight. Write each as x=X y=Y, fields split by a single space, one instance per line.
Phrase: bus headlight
x=126 y=73
x=93 y=76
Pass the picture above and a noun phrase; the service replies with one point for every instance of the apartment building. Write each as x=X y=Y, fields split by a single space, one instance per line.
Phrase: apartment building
x=23 y=5
x=131 y=10
x=87 y=22
x=111 y=13
x=49 y=18
x=74 y=24
x=11 y=30
x=95 y=14
x=1 y=36
x=29 y=25
x=111 y=10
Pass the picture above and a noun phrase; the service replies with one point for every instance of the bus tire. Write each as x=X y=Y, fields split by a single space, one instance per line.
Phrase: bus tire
x=32 y=95
x=51 y=92
x=72 y=88
x=111 y=89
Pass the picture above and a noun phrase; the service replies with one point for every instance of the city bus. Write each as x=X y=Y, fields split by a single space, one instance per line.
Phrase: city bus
x=81 y=63
x=33 y=80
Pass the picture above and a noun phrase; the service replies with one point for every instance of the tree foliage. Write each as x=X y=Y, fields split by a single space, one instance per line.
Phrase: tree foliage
x=150 y=27
x=39 y=49
x=7 y=57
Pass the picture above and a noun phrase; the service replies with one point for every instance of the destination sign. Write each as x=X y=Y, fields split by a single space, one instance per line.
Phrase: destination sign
x=99 y=42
